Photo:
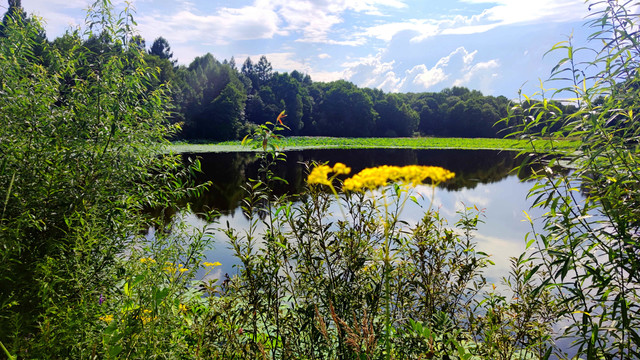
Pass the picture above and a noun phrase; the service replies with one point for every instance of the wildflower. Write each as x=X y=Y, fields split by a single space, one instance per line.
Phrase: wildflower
x=373 y=178
x=319 y=175
x=209 y=264
x=100 y=299
x=106 y=318
x=281 y=116
x=146 y=319
x=340 y=168
x=147 y=260
x=182 y=307
x=183 y=270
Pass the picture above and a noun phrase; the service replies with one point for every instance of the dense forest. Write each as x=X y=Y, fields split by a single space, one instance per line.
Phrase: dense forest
x=217 y=100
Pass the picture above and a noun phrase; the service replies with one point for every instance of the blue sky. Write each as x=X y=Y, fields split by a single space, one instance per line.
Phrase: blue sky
x=494 y=46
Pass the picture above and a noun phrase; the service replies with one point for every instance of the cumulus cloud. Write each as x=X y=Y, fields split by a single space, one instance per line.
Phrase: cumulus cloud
x=458 y=68
x=372 y=72
x=482 y=69
x=425 y=77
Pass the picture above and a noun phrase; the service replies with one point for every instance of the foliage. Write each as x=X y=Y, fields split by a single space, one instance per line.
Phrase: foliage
x=588 y=248
x=340 y=274
x=94 y=271
x=82 y=139
x=210 y=100
x=161 y=49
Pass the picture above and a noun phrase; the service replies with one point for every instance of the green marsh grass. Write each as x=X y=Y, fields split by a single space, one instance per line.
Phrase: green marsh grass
x=302 y=143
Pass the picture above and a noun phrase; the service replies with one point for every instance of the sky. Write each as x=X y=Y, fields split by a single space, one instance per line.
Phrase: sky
x=495 y=46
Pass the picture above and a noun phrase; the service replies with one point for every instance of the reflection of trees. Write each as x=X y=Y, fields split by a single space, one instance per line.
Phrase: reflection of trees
x=229 y=172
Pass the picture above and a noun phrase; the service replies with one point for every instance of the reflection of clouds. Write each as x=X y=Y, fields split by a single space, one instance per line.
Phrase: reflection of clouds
x=480 y=197
x=501 y=251
x=501 y=234
x=215 y=276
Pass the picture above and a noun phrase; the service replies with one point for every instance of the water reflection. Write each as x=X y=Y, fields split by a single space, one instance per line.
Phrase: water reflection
x=230 y=171
x=484 y=178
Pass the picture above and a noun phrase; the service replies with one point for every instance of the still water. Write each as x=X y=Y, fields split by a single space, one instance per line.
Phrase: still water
x=484 y=178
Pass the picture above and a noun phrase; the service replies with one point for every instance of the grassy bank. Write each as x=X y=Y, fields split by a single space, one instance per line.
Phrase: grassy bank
x=301 y=143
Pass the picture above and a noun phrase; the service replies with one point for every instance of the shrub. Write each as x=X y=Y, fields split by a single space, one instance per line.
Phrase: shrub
x=588 y=248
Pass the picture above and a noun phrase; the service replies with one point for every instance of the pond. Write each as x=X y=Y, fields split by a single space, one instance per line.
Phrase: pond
x=484 y=178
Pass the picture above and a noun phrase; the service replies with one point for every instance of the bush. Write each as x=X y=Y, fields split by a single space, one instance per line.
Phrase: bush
x=81 y=158
x=588 y=249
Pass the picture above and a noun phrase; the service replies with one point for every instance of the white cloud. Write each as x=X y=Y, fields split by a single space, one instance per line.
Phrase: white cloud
x=510 y=12
x=326 y=76
x=505 y=12
x=228 y=24
x=425 y=77
x=457 y=68
x=315 y=19
x=372 y=72
x=479 y=69
x=59 y=15
x=324 y=56
x=387 y=31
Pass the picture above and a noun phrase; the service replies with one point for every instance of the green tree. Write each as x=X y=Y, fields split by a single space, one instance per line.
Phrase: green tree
x=396 y=117
x=249 y=71
x=223 y=118
x=15 y=14
x=161 y=49
x=263 y=70
x=346 y=111
x=198 y=87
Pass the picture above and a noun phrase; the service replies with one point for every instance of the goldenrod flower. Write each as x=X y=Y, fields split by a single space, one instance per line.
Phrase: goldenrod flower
x=147 y=260
x=340 y=168
x=209 y=264
x=319 y=175
x=373 y=178
x=106 y=318
x=146 y=319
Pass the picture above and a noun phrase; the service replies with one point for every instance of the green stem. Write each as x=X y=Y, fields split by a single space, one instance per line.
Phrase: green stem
x=387 y=295
x=9 y=356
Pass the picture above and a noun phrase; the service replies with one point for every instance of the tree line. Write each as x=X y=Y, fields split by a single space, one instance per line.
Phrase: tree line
x=217 y=100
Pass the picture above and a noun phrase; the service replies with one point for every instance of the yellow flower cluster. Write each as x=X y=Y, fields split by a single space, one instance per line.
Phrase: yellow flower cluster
x=372 y=178
x=106 y=318
x=209 y=264
x=147 y=260
x=320 y=174
x=170 y=268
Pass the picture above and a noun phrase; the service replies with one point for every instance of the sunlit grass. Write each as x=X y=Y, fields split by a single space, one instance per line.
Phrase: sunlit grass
x=301 y=143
